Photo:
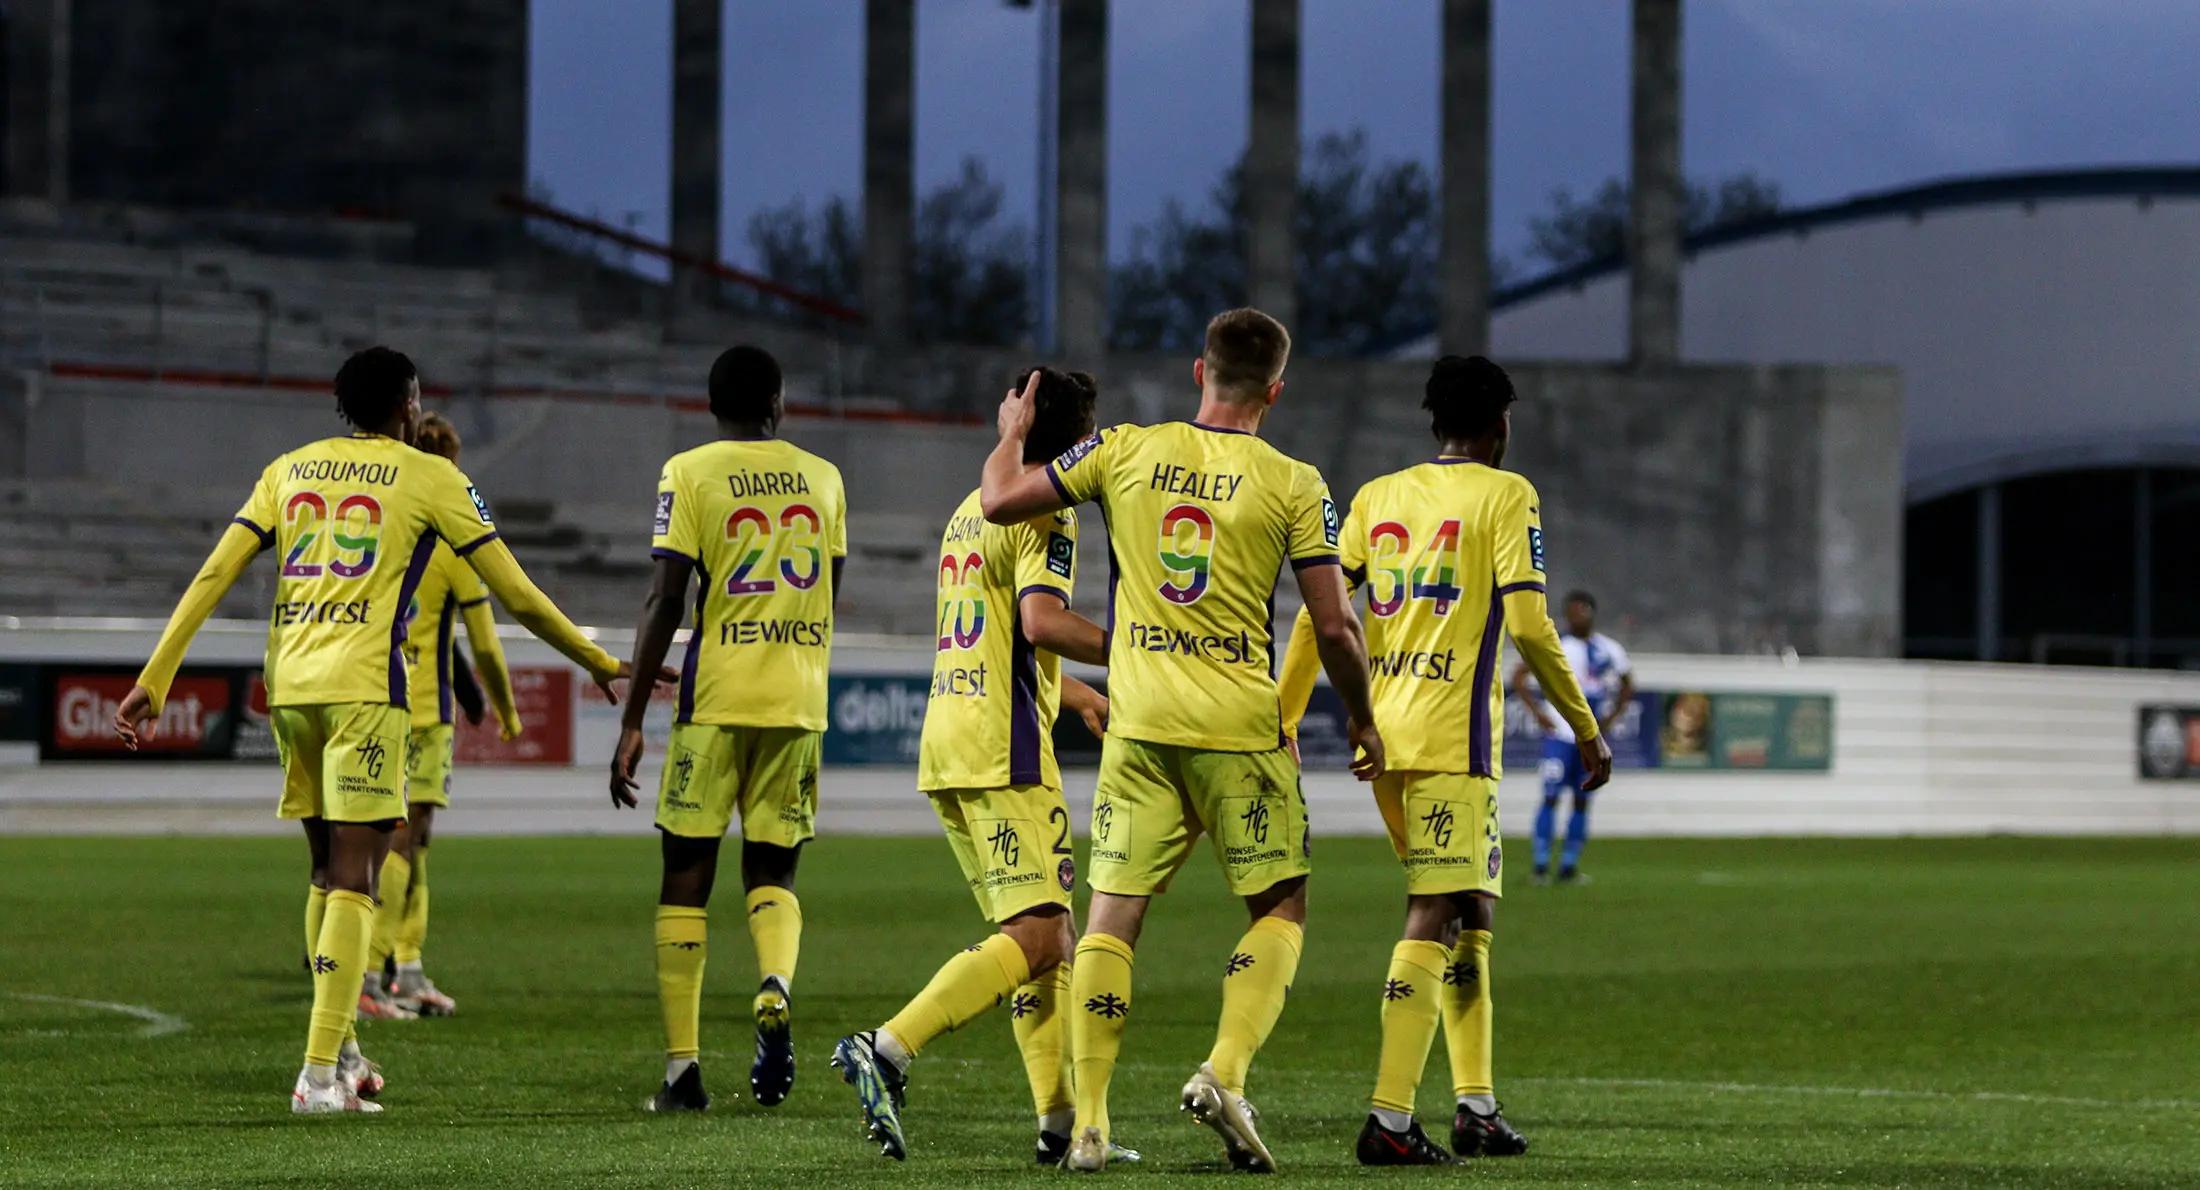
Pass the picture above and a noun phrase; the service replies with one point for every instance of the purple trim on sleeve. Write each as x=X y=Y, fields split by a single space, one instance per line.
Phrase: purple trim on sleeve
x=1514 y=588
x=1315 y=560
x=476 y=543
x=1485 y=675
x=1060 y=489
x=267 y=539
x=1356 y=575
x=670 y=554
x=465 y=603
x=1036 y=589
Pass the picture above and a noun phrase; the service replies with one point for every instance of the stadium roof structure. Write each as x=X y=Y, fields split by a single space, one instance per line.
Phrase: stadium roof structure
x=2042 y=320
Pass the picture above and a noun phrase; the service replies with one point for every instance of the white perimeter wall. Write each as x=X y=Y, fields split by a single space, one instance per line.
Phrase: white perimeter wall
x=1919 y=748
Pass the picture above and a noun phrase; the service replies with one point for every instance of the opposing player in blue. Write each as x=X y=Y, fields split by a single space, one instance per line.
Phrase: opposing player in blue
x=1608 y=678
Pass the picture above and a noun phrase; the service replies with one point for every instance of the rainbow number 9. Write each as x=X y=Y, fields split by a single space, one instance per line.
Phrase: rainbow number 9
x=1187 y=552
x=787 y=520
x=1387 y=544
x=962 y=611
x=356 y=531
x=1434 y=575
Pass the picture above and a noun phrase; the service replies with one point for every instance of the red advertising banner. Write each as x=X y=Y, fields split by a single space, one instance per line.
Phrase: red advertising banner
x=544 y=695
x=195 y=721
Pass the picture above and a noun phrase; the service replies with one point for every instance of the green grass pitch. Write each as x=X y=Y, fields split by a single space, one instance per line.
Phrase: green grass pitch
x=1981 y=1012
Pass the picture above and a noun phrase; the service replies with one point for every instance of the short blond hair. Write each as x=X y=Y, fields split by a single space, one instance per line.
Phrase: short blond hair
x=437 y=436
x=1246 y=351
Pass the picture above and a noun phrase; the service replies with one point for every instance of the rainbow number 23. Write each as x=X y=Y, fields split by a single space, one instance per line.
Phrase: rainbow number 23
x=354 y=535
x=1433 y=576
x=1187 y=552
x=750 y=529
x=962 y=611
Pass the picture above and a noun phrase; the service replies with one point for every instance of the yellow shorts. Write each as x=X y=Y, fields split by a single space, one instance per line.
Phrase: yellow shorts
x=768 y=773
x=1444 y=828
x=428 y=752
x=342 y=761
x=1012 y=844
x=1155 y=800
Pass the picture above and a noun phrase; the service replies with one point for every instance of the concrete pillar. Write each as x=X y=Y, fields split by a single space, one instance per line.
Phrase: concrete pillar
x=1463 y=317
x=1081 y=185
x=889 y=149
x=1272 y=162
x=697 y=68
x=1654 y=214
x=37 y=73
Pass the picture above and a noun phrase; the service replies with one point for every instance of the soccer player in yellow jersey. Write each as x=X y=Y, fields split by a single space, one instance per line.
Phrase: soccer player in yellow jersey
x=1451 y=554
x=1202 y=516
x=449 y=591
x=986 y=760
x=761 y=526
x=355 y=522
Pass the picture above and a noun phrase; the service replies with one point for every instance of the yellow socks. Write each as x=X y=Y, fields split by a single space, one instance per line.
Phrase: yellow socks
x=969 y=983
x=1036 y=1013
x=396 y=875
x=339 y=960
x=316 y=906
x=1468 y=1013
x=412 y=925
x=682 y=944
x=1413 y=994
x=1254 y=981
x=775 y=926
x=1100 y=998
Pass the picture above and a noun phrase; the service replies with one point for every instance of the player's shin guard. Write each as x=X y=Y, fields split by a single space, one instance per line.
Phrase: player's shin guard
x=1254 y=982
x=968 y=984
x=1413 y=994
x=683 y=942
x=775 y=926
x=1468 y=1013
x=1100 y=996
x=396 y=877
x=339 y=960
x=1041 y=1030
x=412 y=925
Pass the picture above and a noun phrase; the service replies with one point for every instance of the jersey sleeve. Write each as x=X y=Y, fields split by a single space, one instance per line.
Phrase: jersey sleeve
x=1080 y=473
x=458 y=513
x=1518 y=537
x=1046 y=556
x=466 y=587
x=1312 y=539
x=259 y=513
x=1352 y=544
x=673 y=533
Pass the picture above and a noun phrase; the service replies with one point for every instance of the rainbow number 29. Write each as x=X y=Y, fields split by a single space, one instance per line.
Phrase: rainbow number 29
x=354 y=535
x=1433 y=576
x=1187 y=552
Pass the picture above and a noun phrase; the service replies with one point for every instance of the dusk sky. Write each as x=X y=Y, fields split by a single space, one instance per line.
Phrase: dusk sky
x=1827 y=99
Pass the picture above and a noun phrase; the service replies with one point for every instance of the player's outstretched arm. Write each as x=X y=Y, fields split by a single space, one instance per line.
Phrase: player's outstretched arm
x=661 y=613
x=1342 y=645
x=494 y=562
x=239 y=544
x=1049 y=624
x=1007 y=493
x=496 y=676
x=1089 y=704
x=1528 y=620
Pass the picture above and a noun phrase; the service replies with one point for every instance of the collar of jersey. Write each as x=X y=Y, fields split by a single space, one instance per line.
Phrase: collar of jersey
x=1455 y=460
x=1200 y=425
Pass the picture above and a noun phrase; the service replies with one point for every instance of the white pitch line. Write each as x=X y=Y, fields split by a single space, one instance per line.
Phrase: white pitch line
x=1667 y=1084
x=157 y=1023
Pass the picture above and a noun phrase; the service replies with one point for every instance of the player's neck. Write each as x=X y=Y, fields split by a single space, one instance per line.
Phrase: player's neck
x=1217 y=412
x=1479 y=450
x=746 y=431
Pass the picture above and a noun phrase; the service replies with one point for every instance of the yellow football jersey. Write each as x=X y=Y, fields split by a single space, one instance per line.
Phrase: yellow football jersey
x=1439 y=546
x=448 y=587
x=761 y=521
x=990 y=720
x=356 y=522
x=1200 y=522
